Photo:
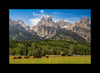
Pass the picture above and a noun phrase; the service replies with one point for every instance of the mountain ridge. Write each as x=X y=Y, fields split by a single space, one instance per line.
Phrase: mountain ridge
x=46 y=28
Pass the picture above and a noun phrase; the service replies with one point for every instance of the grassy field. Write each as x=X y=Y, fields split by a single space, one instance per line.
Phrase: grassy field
x=52 y=60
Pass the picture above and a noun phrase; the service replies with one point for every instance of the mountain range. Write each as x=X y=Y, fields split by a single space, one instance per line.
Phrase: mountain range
x=46 y=28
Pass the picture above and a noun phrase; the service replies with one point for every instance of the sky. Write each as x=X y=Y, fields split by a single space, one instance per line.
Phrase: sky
x=32 y=16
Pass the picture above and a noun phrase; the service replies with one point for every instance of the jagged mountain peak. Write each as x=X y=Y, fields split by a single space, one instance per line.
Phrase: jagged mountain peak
x=84 y=19
x=64 y=25
x=12 y=22
x=22 y=24
x=84 y=22
x=83 y=28
x=46 y=20
x=47 y=28
x=18 y=24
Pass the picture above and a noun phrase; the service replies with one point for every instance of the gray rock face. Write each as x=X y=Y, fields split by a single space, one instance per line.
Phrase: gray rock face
x=18 y=31
x=46 y=32
x=84 y=22
x=12 y=22
x=83 y=28
x=47 y=21
x=18 y=24
x=64 y=25
x=23 y=25
x=46 y=27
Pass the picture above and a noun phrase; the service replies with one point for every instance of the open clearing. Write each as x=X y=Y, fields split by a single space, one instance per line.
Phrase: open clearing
x=52 y=60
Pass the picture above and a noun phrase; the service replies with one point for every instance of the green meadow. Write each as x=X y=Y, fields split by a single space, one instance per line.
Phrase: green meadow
x=53 y=60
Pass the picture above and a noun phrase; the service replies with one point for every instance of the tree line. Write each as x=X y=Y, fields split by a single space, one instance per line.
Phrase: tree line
x=48 y=47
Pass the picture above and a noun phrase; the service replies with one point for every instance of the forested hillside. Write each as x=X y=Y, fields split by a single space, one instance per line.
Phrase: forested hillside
x=48 y=47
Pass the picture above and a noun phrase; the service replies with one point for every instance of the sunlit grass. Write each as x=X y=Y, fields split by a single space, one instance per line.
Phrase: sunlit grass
x=53 y=60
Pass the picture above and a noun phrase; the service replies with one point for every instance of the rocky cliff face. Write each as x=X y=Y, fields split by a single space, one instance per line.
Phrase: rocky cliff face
x=22 y=24
x=84 y=22
x=83 y=28
x=64 y=25
x=18 y=30
x=46 y=27
x=18 y=24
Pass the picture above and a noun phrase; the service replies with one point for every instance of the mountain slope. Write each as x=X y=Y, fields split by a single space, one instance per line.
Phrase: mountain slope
x=68 y=35
x=45 y=27
x=83 y=28
x=64 y=25
x=18 y=32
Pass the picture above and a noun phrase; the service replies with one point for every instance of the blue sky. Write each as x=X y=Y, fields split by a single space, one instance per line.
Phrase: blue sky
x=32 y=16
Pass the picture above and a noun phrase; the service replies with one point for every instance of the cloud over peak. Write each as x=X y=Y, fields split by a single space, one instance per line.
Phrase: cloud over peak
x=35 y=14
x=34 y=21
x=41 y=11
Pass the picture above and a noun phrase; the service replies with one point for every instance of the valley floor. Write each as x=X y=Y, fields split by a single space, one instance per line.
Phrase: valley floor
x=52 y=60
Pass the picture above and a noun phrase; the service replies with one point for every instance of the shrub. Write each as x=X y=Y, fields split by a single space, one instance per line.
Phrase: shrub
x=69 y=54
x=62 y=54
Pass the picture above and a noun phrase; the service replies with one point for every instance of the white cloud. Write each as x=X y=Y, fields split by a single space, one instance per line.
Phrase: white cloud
x=35 y=14
x=41 y=11
x=34 y=21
